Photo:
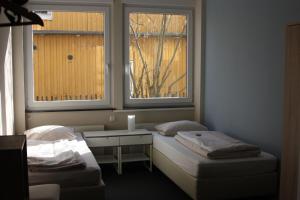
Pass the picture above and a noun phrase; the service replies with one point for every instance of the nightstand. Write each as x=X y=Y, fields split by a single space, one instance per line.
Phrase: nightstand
x=117 y=139
x=13 y=168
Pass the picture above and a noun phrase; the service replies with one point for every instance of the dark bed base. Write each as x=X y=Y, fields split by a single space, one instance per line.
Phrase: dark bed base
x=96 y=192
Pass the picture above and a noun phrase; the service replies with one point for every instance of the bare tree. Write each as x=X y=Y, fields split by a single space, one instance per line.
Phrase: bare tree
x=150 y=83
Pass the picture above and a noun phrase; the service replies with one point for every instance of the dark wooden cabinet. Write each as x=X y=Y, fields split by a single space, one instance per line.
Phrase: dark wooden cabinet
x=290 y=173
x=13 y=168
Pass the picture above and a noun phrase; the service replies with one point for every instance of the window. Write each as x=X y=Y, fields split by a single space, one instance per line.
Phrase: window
x=68 y=60
x=158 y=56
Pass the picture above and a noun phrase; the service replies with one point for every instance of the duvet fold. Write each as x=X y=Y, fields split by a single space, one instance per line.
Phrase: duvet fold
x=216 y=145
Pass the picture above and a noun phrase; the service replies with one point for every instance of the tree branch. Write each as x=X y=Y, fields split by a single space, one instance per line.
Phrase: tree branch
x=174 y=82
x=160 y=53
x=165 y=78
x=141 y=56
x=134 y=83
x=173 y=56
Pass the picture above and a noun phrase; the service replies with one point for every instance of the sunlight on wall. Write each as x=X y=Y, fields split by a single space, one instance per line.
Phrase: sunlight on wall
x=8 y=74
x=6 y=83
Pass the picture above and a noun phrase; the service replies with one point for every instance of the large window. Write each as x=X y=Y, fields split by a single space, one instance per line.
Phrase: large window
x=158 y=53
x=68 y=60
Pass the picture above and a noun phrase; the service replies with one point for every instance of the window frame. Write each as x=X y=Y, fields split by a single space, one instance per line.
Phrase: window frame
x=166 y=101
x=104 y=103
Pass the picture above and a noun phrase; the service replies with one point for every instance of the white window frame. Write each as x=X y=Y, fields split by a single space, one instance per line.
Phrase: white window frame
x=165 y=101
x=33 y=105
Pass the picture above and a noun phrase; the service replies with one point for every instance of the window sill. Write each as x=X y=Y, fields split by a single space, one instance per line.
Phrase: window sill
x=117 y=111
x=153 y=109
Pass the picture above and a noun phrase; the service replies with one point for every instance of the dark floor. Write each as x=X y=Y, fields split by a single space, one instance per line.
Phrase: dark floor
x=137 y=183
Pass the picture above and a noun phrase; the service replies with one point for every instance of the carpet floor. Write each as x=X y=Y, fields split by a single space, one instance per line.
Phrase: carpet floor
x=137 y=183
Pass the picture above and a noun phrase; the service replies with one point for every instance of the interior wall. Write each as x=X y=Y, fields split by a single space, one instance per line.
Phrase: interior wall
x=198 y=59
x=102 y=117
x=6 y=81
x=244 y=65
x=19 y=89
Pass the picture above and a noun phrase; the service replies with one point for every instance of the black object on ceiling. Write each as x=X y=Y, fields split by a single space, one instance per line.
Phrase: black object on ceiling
x=14 y=12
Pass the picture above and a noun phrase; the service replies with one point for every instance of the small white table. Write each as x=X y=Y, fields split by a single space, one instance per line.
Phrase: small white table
x=117 y=139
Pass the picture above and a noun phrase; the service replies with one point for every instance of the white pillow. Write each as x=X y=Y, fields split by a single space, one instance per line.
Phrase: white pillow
x=171 y=128
x=50 y=133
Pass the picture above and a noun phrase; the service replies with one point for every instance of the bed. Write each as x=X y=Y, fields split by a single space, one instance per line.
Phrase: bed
x=75 y=184
x=205 y=179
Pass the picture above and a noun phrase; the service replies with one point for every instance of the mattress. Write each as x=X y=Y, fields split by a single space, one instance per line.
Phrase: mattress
x=88 y=176
x=201 y=167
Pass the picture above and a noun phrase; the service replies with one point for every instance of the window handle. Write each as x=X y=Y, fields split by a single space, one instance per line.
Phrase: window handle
x=107 y=67
x=128 y=68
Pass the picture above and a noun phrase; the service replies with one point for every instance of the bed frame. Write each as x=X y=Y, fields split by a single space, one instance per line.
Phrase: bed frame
x=96 y=192
x=216 y=188
x=90 y=192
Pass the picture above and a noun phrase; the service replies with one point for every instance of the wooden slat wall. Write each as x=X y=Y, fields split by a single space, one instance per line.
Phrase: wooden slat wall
x=81 y=21
x=74 y=21
x=58 y=78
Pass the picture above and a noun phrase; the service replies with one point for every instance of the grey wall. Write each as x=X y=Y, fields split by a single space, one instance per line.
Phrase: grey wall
x=244 y=65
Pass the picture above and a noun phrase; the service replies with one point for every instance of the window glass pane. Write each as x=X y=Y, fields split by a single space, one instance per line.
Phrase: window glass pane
x=158 y=55
x=68 y=56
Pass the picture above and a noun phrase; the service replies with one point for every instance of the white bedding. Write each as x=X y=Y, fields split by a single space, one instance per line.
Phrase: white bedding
x=216 y=145
x=77 y=177
x=53 y=155
x=198 y=166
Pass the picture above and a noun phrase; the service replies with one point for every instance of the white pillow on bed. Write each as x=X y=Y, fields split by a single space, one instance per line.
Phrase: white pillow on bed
x=50 y=133
x=171 y=128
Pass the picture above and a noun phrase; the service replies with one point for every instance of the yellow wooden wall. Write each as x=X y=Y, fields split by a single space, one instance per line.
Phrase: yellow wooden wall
x=58 y=78
x=74 y=21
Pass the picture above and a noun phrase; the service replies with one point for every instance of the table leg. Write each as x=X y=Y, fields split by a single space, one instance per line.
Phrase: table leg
x=150 y=157
x=116 y=154
x=119 y=160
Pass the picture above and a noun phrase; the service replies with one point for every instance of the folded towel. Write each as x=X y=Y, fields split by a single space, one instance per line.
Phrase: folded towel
x=216 y=145
x=53 y=156
x=63 y=161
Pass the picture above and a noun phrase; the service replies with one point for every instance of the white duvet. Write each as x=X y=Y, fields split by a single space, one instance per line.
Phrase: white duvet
x=53 y=155
x=216 y=145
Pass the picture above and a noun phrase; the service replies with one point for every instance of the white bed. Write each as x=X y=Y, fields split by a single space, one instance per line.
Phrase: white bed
x=75 y=183
x=203 y=178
